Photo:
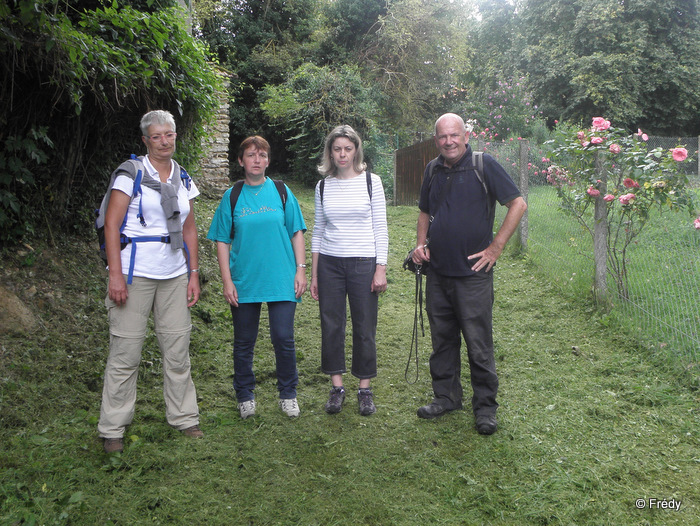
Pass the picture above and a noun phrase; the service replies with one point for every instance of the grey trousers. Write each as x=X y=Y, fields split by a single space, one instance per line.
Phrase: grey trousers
x=351 y=278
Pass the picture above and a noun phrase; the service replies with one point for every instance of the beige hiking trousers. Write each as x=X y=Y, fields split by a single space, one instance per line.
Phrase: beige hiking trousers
x=167 y=299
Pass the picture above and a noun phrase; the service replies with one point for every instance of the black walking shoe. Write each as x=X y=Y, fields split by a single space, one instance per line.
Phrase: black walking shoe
x=486 y=424
x=335 y=400
x=434 y=410
x=366 y=402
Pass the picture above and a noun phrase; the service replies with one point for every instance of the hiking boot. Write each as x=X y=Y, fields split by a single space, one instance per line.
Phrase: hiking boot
x=193 y=432
x=486 y=424
x=247 y=408
x=335 y=400
x=366 y=402
x=289 y=406
x=113 y=445
x=434 y=410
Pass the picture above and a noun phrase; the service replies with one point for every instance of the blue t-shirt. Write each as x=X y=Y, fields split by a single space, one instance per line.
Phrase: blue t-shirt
x=463 y=224
x=261 y=258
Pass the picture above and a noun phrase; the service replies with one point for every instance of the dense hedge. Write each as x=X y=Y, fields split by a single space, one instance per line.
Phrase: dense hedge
x=75 y=79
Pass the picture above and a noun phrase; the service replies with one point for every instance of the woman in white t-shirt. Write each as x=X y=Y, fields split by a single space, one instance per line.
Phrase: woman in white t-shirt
x=150 y=239
x=349 y=248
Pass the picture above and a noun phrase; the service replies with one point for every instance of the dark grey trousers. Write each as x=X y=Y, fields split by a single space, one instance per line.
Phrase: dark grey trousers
x=351 y=278
x=462 y=307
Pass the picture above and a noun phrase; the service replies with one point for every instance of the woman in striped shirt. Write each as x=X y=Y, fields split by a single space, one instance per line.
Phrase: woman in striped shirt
x=349 y=249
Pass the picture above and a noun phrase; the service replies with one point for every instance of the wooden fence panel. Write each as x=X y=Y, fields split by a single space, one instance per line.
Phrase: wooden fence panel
x=410 y=166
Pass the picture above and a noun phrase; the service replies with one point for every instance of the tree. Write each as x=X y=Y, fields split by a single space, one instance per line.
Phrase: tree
x=75 y=79
x=633 y=61
x=313 y=101
x=420 y=47
x=261 y=42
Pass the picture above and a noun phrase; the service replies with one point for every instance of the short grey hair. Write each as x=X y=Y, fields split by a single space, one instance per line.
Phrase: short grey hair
x=327 y=167
x=156 y=117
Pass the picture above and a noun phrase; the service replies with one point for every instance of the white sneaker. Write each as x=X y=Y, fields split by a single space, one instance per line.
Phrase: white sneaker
x=247 y=408
x=289 y=406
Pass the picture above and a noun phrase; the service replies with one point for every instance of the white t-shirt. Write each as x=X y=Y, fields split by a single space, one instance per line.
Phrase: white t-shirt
x=153 y=260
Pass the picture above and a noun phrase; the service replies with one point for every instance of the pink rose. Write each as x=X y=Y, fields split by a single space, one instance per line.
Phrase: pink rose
x=642 y=135
x=596 y=140
x=600 y=124
x=679 y=154
x=615 y=148
x=630 y=183
x=609 y=197
x=581 y=135
x=696 y=223
x=593 y=192
x=627 y=199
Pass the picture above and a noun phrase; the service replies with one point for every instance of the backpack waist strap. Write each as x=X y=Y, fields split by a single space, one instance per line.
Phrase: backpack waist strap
x=125 y=240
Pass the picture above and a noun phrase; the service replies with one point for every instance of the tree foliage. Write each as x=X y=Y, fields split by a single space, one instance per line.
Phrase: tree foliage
x=314 y=100
x=633 y=61
x=76 y=78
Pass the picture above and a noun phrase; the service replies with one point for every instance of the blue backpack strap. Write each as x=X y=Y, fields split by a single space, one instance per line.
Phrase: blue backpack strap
x=137 y=190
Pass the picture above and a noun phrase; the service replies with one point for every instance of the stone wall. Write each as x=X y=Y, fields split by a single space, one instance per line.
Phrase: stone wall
x=214 y=168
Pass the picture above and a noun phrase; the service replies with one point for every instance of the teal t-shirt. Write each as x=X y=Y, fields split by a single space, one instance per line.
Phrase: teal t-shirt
x=261 y=258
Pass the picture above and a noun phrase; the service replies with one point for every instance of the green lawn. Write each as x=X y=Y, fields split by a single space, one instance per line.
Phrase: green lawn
x=590 y=420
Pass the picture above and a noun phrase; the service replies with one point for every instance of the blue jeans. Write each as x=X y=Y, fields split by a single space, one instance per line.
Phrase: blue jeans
x=246 y=321
x=462 y=307
x=351 y=278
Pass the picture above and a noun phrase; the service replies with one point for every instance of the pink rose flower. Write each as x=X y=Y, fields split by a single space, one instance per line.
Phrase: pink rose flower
x=593 y=192
x=581 y=135
x=596 y=140
x=642 y=135
x=609 y=197
x=600 y=124
x=696 y=223
x=615 y=148
x=627 y=199
x=630 y=183
x=679 y=154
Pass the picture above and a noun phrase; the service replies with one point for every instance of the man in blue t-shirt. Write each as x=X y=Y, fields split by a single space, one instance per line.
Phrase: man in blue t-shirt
x=458 y=208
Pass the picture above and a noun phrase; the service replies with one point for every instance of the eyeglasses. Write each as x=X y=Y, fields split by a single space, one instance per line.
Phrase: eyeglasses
x=169 y=136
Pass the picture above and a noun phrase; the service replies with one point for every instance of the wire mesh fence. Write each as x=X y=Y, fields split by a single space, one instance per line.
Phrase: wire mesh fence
x=663 y=300
x=662 y=303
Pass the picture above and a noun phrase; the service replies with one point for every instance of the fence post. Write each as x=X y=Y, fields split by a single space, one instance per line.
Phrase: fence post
x=600 y=234
x=524 y=175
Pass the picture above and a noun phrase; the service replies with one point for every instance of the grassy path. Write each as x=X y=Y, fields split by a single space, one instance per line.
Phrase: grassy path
x=588 y=423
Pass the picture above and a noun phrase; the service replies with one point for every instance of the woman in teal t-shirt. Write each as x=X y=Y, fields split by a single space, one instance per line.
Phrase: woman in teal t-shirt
x=262 y=259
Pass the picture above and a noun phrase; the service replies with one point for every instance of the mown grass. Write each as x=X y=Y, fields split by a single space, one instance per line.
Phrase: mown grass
x=590 y=421
x=663 y=273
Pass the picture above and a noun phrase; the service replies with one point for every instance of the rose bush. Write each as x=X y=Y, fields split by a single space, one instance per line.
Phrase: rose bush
x=618 y=171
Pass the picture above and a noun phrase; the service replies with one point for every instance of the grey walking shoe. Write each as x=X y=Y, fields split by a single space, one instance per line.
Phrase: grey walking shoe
x=247 y=408
x=335 y=400
x=365 y=399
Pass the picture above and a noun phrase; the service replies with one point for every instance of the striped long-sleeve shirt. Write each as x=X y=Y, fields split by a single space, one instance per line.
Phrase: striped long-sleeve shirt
x=347 y=223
